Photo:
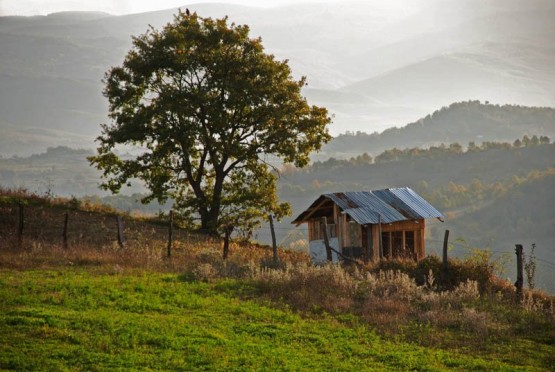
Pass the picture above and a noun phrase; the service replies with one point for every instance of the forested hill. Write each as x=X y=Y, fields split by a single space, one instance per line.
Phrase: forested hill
x=461 y=122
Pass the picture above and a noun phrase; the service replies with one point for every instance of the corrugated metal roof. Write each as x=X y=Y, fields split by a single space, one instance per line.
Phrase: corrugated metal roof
x=374 y=206
x=418 y=204
x=391 y=205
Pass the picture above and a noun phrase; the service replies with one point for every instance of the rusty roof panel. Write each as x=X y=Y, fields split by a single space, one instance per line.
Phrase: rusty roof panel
x=392 y=205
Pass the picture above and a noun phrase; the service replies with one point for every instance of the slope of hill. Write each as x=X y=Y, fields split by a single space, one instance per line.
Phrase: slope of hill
x=91 y=304
x=382 y=64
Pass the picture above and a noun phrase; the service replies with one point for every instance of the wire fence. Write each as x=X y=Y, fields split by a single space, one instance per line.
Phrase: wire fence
x=76 y=227
x=21 y=226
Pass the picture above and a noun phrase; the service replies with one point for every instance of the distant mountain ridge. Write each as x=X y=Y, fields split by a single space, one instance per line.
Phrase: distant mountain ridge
x=374 y=64
x=461 y=122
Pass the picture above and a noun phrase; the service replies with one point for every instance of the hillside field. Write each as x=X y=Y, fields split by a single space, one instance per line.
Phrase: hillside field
x=94 y=319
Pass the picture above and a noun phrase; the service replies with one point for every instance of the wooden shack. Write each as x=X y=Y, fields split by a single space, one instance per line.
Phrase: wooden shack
x=371 y=225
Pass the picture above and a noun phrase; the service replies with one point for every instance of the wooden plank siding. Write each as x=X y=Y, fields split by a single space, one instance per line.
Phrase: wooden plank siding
x=368 y=236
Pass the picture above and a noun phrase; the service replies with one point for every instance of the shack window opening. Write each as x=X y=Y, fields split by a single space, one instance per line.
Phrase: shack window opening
x=386 y=244
x=397 y=244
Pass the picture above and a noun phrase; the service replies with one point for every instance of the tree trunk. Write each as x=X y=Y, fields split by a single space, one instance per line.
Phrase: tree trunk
x=209 y=222
x=211 y=213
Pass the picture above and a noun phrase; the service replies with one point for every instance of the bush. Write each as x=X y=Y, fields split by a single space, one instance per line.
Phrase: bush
x=329 y=288
x=480 y=270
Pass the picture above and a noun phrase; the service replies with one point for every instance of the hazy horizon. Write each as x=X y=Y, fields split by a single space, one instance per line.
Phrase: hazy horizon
x=374 y=64
x=38 y=7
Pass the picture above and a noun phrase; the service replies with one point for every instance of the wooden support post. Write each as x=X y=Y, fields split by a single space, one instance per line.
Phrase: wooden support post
x=64 y=234
x=119 y=222
x=227 y=235
x=445 y=247
x=519 y=271
x=369 y=244
x=170 y=233
x=326 y=240
x=274 y=243
x=380 y=237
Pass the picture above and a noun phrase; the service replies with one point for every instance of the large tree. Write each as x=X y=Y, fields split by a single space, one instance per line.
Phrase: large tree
x=203 y=108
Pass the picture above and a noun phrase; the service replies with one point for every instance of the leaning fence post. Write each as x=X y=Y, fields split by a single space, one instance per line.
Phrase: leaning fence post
x=64 y=234
x=170 y=233
x=519 y=271
x=445 y=246
x=274 y=243
x=119 y=221
x=326 y=239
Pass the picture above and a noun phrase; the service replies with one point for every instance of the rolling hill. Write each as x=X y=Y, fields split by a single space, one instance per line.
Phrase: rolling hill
x=461 y=122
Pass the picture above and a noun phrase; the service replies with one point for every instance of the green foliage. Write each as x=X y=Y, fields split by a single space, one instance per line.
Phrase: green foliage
x=203 y=105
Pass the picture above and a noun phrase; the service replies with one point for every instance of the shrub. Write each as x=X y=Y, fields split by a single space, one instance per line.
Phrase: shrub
x=205 y=272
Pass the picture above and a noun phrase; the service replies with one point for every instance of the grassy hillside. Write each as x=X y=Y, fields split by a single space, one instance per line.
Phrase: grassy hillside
x=94 y=306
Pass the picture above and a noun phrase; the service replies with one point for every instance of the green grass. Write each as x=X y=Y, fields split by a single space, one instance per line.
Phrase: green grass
x=90 y=320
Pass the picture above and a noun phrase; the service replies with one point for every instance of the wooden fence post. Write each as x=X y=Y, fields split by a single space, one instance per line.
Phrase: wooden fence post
x=445 y=247
x=64 y=234
x=519 y=271
x=274 y=243
x=170 y=234
x=119 y=221
x=228 y=231
x=21 y=222
x=326 y=239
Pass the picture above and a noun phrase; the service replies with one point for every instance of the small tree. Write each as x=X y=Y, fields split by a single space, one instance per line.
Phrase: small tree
x=203 y=107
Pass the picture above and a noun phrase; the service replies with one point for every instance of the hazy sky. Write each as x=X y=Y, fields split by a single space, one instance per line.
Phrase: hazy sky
x=34 y=7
